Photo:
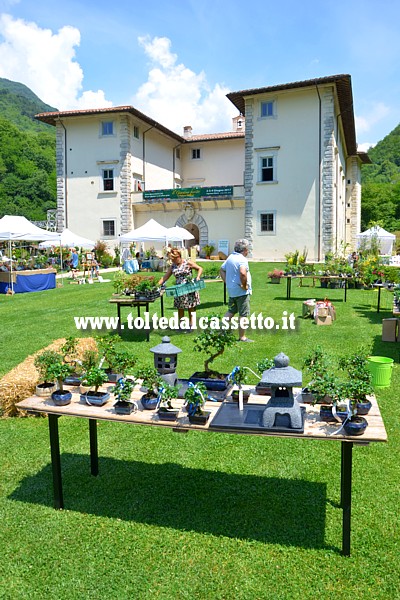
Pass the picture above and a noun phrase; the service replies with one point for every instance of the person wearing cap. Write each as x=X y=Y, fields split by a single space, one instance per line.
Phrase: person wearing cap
x=236 y=275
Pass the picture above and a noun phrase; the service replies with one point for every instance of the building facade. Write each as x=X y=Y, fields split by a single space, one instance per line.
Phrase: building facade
x=286 y=177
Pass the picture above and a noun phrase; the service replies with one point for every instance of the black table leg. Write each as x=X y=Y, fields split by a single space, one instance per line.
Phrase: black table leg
x=56 y=461
x=379 y=300
x=94 y=456
x=224 y=292
x=119 y=318
x=345 y=495
x=345 y=290
x=162 y=305
x=288 y=287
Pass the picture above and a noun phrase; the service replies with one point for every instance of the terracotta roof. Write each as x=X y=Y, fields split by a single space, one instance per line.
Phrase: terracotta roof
x=52 y=117
x=344 y=93
x=208 y=137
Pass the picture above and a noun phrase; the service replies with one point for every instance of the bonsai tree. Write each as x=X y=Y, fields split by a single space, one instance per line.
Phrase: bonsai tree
x=151 y=380
x=213 y=342
x=69 y=350
x=94 y=378
x=123 y=389
x=43 y=362
x=166 y=393
x=59 y=371
x=195 y=397
x=264 y=365
x=117 y=360
x=359 y=384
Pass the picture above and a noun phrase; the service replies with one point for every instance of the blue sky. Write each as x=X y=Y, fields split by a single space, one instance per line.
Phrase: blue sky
x=176 y=61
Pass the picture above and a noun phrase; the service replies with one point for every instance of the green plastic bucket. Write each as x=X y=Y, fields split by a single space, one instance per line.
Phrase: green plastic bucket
x=380 y=368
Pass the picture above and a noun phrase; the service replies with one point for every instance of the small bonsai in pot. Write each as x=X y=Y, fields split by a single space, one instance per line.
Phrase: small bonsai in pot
x=151 y=380
x=122 y=392
x=167 y=393
x=94 y=378
x=264 y=365
x=359 y=380
x=118 y=360
x=317 y=363
x=275 y=275
x=69 y=352
x=195 y=399
x=43 y=363
x=59 y=371
x=213 y=343
x=239 y=377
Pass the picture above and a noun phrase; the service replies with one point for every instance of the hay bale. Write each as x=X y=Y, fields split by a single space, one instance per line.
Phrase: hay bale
x=21 y=381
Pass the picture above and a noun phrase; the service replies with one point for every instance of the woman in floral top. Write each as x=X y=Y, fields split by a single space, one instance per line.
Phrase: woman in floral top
x=182 y=270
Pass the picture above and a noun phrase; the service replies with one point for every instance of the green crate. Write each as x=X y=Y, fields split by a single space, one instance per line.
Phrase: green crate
x=185 y=288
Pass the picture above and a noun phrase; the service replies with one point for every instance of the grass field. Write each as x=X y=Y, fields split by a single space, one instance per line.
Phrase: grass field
x=198 y=515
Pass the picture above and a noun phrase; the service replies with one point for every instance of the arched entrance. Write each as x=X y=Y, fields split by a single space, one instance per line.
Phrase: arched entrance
x=194 y=230
x=201 y=231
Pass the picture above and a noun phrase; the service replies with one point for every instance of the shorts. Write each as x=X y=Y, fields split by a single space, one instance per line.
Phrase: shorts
x=240 y=304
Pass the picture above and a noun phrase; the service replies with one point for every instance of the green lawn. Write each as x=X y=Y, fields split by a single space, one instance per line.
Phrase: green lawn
x=197 y=515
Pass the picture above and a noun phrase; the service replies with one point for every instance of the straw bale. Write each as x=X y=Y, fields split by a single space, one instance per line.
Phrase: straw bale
x=21 y=381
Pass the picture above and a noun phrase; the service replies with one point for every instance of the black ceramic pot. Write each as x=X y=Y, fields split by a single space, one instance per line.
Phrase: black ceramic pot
x=199 y=419
x=168 y=414
x=95 y=398
x=355 y=426
x=124 y=408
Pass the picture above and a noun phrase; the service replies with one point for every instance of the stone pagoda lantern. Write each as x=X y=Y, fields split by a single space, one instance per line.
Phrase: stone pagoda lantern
x=283 y=412
x=166 y=359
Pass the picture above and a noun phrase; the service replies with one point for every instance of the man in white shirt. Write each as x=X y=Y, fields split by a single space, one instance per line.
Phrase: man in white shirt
x=236 y=274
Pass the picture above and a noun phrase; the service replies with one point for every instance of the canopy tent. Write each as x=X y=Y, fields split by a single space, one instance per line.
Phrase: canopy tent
x=384 y=238
x=68 y=239
x=149 y=232
x=179 y=234
x=14 y=228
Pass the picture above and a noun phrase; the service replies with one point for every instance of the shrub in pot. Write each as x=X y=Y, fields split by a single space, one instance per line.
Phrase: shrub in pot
x=43 y=363
x=94 y=378
x=152 y=381
x=69 y=352
x=60 y=371
x=122 y=392
x=167 y=393
x=275 y=275
x=213 y=343
x=117 y=360
x=195 y=399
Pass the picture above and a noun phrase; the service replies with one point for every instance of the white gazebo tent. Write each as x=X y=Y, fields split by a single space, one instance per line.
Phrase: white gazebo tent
x=15 y=228
x=68 y=239
x=149 y=232
x=178 y=234
x=384 y=238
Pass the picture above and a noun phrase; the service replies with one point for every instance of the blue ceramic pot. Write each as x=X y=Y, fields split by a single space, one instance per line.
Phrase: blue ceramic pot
x=363 y=408
x=355 y=426
x=149 y=402
x=61 y=398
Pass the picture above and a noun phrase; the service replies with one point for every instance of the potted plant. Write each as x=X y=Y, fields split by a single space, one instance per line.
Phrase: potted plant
x=69 y=352
x=354 y=424
x=275 y=275
x=94 y=378
x=264 y=365
x=147 y=289
x=239 y=377
x=166 y=411
x=359 y=380
x=59 y=371
x=151 y=381
x=317 y=364
x=122 y=392
x=43 y=363
x=195 y=399
x=118 y=361
x=208 y=249
x=213 y=342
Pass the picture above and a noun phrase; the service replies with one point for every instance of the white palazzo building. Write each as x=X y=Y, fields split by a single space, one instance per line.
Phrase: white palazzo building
x=286 y=177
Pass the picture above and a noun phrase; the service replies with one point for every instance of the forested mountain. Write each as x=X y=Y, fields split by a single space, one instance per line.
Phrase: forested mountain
x=381 y=184
x=27 y=154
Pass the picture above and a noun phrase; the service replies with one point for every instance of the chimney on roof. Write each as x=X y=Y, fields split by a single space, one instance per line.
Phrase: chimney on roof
x=187 y=132
x=238 y=123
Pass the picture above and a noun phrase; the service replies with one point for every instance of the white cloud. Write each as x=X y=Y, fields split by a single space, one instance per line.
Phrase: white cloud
x=376 y=113
x=177 y=96
x=46 y=63
x=365 y=146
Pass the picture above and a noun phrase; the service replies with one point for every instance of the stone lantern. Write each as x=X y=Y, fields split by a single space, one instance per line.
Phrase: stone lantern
x=166 y=359
x=283 y=412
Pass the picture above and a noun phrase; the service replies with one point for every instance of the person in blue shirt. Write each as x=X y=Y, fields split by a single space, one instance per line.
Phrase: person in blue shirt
x=235 y=273
x=74 y=262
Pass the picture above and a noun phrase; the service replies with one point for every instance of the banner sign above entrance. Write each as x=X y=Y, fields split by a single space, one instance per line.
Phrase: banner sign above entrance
x=187 y=193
